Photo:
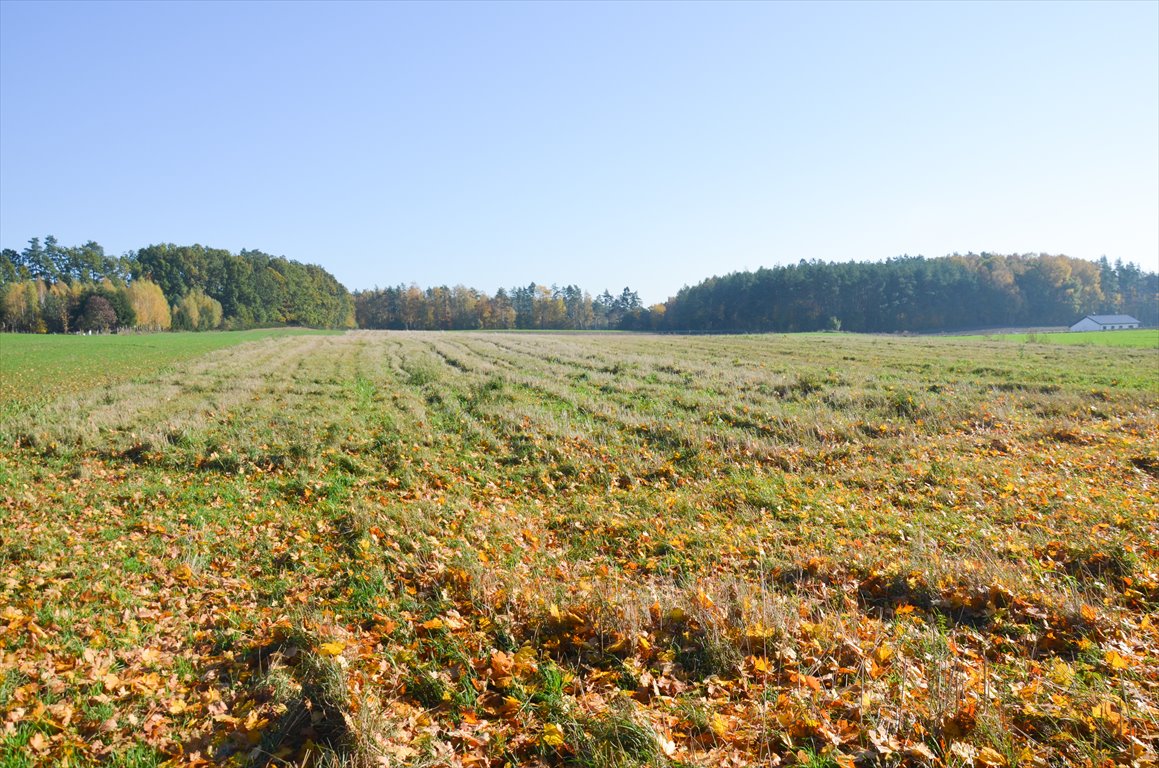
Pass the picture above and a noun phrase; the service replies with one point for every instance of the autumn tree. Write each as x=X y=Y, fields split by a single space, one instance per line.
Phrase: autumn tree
x=62 y=306
x=196 y=312
x=150 y=306
x=252 y=288
x=20 y=309
x=98 y=314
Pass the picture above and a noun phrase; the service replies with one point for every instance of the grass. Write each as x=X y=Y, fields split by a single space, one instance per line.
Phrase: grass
x=1140 y=338
x=41 y=366
x=582 y=550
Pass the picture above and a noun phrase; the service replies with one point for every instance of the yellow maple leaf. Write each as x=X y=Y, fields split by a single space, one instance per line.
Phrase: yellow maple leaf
x=718 y=725
x=332 y=649
x=1105 y=711
x=1116 y=660
x=620 y=643
x=1060 y=673
x=552 y=735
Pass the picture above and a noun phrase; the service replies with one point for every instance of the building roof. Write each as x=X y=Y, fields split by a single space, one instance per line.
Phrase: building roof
x=1113 y=319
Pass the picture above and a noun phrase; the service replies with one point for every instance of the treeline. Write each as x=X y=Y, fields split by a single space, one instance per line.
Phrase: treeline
x=915 y=294
x=49 y=288
x=534 y=307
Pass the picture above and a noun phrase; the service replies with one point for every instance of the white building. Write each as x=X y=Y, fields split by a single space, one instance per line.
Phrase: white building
x=1105 y=323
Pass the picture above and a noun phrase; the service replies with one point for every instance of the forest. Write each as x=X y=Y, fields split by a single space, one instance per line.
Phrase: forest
x=533 y=307
x=51 y=288
x=908 y=294
x=915 y=294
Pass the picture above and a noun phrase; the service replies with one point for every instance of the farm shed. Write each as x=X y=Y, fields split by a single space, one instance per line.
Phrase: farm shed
x=1105 y=323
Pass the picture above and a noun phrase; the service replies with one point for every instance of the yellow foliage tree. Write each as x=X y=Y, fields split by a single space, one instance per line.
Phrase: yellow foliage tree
x=148 y=301
x=197 y=312
x=20 y=309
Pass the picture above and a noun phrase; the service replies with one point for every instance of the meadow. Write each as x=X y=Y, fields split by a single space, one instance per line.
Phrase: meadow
x=37 y=366
x=1140 y=338
x=482 y=550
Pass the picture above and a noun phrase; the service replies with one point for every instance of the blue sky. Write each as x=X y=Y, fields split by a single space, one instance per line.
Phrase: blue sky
x=648 y=145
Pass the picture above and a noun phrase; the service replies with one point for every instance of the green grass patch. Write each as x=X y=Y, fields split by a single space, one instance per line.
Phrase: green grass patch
x=1139 y=338
x=34 y=367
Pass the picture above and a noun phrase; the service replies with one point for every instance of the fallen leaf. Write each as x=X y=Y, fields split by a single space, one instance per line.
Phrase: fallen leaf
x=552 y=735
x=990 y=757
x=1115 y=660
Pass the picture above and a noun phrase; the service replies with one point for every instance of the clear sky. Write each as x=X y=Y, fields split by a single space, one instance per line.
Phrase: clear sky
x=605 y=144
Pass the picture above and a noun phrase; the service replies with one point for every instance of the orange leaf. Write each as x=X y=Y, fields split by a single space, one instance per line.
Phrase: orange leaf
x=501 y=663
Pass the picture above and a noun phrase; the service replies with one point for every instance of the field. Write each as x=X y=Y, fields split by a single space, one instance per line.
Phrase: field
x=1142 y=338
x=408 y=549
x=39 y=366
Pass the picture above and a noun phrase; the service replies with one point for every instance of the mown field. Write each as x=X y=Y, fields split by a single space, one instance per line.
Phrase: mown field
x=609 y=550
